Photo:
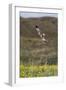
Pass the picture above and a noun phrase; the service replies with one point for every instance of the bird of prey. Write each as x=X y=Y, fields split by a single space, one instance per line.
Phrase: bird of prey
x=42 y=36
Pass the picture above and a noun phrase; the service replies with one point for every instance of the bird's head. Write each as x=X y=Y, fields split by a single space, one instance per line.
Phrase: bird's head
x=36 y=26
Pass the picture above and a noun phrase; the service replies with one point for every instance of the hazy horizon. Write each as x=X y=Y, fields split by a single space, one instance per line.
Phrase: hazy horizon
x=35 y=14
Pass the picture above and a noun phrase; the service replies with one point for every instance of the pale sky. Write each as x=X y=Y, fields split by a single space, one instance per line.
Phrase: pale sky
x=34 y=14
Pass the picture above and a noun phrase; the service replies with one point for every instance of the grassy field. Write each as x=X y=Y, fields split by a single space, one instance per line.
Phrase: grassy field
x=38 y=71
x=38 y=59
x=34 y=52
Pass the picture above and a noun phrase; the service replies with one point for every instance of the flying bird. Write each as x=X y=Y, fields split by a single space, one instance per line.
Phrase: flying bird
x=42 y=36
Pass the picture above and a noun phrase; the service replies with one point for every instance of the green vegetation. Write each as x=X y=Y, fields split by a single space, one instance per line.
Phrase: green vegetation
x=38 y=71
